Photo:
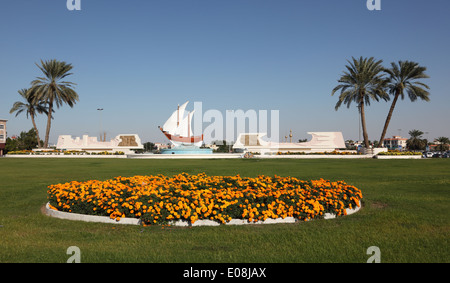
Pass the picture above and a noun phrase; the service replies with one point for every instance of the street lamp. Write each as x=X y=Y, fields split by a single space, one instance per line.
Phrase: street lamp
x=100 y=109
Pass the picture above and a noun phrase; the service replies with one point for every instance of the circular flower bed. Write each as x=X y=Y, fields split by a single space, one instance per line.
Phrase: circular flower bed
x=161 y=199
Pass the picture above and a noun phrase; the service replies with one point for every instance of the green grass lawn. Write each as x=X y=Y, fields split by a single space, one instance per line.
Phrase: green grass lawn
x=405 y=213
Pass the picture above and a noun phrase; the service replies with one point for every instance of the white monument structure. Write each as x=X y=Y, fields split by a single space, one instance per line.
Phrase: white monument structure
x=124 y=142
x=178 y=128
x=320 y=142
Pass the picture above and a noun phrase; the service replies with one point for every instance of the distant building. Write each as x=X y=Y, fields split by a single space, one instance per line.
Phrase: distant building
x=320 y=142
x=125 y=143
x=2 y=135
x=436 y=146
x=396 y=142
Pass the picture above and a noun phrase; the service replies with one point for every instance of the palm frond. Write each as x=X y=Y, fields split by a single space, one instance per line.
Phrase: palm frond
x=364 y=77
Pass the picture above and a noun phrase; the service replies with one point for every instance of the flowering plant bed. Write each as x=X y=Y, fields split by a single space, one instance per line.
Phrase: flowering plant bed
x=161 y=199
x=25 y=151
x=395 y=154
x=334 y=152
x=65 y=152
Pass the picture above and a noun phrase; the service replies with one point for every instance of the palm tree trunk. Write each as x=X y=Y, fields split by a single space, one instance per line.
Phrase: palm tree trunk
x=49 y=122
x=36 y=130
x=388 y=119
x=363 y=123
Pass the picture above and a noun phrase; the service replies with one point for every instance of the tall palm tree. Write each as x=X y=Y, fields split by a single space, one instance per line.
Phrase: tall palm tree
x=415 y=142
x=362 y=82
x=405 y=77
x=53 y=89
x=443 y=143
x=31 y=107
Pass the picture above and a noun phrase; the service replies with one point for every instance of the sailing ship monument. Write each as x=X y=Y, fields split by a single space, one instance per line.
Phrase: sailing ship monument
x=178 y=129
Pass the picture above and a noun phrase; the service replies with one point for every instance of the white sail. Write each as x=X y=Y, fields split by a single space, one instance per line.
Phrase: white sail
x=181 y=111
x=171 y=123
x=181 y=130
x=174 y=120
x=190 y=122
x=184 y=129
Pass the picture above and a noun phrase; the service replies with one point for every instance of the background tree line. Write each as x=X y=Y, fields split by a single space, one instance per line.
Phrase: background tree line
x=416 y=142
x=24 y=141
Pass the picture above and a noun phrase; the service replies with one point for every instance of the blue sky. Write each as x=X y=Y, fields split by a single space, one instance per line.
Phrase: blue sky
x=138 y=59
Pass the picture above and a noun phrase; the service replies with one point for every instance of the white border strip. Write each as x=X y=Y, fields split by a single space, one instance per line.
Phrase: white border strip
x=179 y=223
x=88 y=218
x=398 y=156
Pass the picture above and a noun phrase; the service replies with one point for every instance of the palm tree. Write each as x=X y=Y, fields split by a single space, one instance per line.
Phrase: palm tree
x=31 y=107
x=443 y=143
x=52 y=89
x=404 y=78
x=415 y=142
x=362 y=82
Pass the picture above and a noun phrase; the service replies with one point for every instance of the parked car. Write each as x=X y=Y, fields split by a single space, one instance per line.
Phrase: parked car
x=428 y=154
x=446 y=155
x=437 y=155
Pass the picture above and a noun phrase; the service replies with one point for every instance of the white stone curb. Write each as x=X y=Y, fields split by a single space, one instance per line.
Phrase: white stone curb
x=185 y=156
x=88 y=218
x=313 y=156
x=398 y=156
x=348 y=210
x=179 y=223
